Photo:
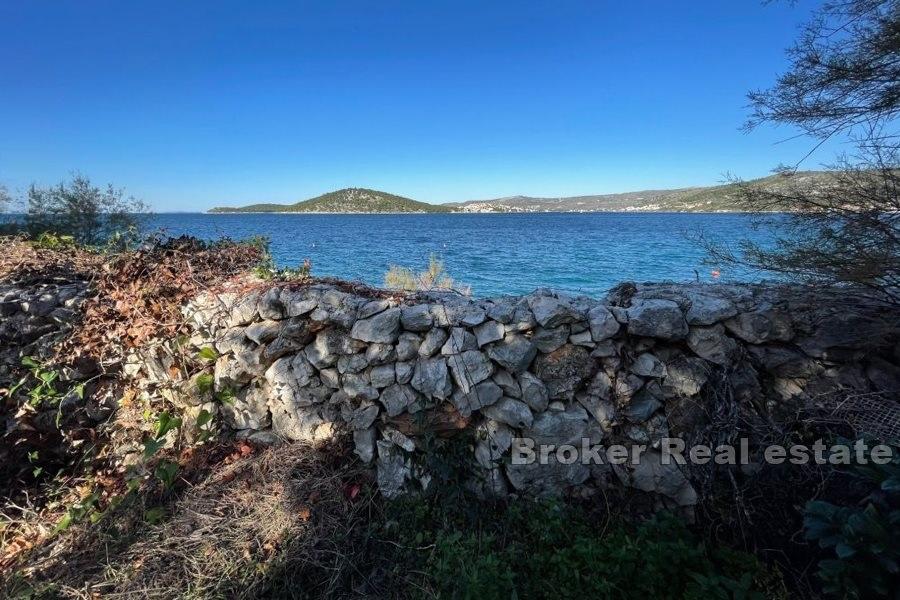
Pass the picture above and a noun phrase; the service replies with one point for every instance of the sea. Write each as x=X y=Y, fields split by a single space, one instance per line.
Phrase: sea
x=495 y=254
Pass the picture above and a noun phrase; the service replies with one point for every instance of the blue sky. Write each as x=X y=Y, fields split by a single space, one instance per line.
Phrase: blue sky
x=190 y=104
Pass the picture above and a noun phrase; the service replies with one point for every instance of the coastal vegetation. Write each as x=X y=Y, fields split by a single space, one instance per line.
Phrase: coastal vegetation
x=433 y=278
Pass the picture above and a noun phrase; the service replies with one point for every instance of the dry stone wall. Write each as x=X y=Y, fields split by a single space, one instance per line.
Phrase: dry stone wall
x=647 y=362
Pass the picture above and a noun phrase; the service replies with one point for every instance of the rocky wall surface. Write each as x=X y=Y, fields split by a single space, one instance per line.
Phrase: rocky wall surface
x=647 y=362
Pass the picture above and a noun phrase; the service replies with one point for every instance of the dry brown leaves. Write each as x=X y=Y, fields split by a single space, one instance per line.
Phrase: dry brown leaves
x=138 y=295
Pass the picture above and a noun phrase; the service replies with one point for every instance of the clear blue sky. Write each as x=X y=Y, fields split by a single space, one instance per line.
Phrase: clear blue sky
x=190 y=104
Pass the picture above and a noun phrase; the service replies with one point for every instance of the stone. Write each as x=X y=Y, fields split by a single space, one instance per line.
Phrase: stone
x=493 y=440
x=361 y=417
x=647 y=365
x=293 y=336
x=404 y=371
x=269 y=305
x=431 y=378
x=626 y=387
x=711 y=343
x=330 y=377
x=760 y=326
x=489 y=331
x=502 y=310
x=568 y=426
x=642 y=405
x=328 y=346
x=522 y=319
x=534 y=392
x=602 y=410
x=382 y=376
x=372 y=308
x=605 y=349
x=263 y=332
x=514 y=352
x=685 y=377
x=357 y=387
x=601 y=386
x=552 y=478
x=460 y=340
x=417 y=317
x=305 y=424
x=651 y=475
x=399 y=439
x=380 y=354
x=364 y=444
x=885 y=377
x=603 y=325
x=248 y=409
x=468 y=368
x=383 y=327
x=397 y=398
x=582 y=339
x=298 y=304
x=510 y=411
x=708 y=310
x=564 y=370
x=483 y=394
x=408 y=346
x=394 y=469
x=784 y=361
x=548 y=340
x=353 y=363
x=552 y=312
x=434 y=339
x=243 y=310
x=507 y=383
x=657 y=319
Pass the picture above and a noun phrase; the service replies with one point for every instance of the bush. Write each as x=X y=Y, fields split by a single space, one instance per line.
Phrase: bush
x=862 y=538
x=431 y=279
x=89 y=215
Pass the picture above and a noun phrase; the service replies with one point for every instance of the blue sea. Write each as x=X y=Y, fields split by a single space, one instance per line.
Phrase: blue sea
x=492 y=253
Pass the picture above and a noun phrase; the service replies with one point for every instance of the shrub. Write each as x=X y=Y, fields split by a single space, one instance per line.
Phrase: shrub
x=88 y=214
x=431 y=279
x=863 y=538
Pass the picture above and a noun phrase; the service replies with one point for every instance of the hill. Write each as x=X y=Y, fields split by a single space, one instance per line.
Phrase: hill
x=348 y=200
x=718 y=198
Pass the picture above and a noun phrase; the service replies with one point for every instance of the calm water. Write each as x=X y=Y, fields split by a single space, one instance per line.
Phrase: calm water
x=494 y=254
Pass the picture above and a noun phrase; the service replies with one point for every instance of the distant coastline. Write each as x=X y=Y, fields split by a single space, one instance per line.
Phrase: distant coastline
x=726 y=198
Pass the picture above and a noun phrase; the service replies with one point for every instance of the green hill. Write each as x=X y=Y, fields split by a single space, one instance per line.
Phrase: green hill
x=349 y=200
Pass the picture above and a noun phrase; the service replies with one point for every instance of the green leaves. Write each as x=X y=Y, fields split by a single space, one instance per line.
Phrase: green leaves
x=207 y=353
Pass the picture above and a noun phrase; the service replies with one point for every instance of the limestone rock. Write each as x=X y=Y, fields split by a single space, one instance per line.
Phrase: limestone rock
x=248 y=409
x=651 y=475
x=657 y=319
x=647 y=365
x=460 y=340
x=397 y=398
x=431 y=378
x=711 y=343
x=483 y=394
x=507 y=383
x=382 y=376
x=548 y=340
x=764 y=325
x=708 y=309
x=404 y=371
x=364 y=444
x=534 y=392
x=416 y=318
x=380 y=354
x=564 y=370
x=468 y=368
x=514 y=413
x=408 y=346
x=434 y=339
x=489 y=331
x=603 y=325
x=552 y=312
x=514 y=352
x=383 y=327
